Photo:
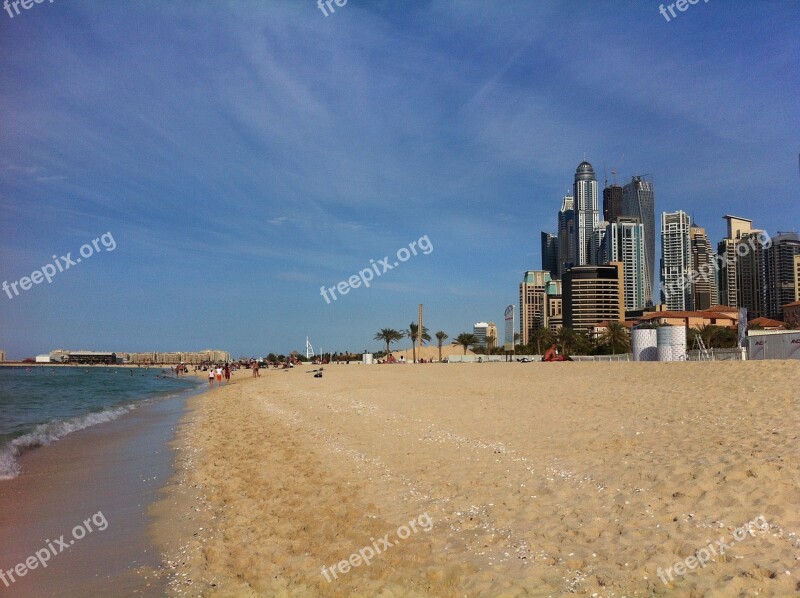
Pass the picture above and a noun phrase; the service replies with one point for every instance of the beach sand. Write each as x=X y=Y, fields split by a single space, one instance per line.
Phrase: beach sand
x=539 y=480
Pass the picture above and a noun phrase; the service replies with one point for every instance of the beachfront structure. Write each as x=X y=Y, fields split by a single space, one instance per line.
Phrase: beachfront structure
x=2 y=356
x=593 y=294
x=45 y=358
x=791 y=314
x=539 y=303
x=83 y=357
x=741 y=255
x=779 y=275
x=566 y=235
x=638 y=201
x=624 y=242
x=676 y=261
x=704 y=287
x=550 y=253
x=584 y=191
x=612 y=202
x=716 y=315
x=187 y=357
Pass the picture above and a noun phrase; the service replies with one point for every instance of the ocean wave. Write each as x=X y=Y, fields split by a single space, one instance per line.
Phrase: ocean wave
x=44 y=434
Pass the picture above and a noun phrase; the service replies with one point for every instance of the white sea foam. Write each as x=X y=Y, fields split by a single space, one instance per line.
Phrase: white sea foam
x=44 y=434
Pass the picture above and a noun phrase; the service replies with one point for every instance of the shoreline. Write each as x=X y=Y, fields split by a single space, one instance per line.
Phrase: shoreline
x=114 y=469
x=546 y=479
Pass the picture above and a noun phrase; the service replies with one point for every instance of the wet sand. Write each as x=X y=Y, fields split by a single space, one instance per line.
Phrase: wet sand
x=539 y=480
x=114 y=469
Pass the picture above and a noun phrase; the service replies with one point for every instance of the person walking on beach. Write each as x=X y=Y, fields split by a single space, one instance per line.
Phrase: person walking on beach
x=255 y=367
x=227 y=372
x=219 y=375
x=210 y=377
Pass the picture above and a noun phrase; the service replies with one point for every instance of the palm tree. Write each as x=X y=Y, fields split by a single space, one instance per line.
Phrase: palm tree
x=616 y=337
x=566 y=339
x=388 y=336
x=441 y=336
x=544 y=338
x=465 y=339
x=413 y=334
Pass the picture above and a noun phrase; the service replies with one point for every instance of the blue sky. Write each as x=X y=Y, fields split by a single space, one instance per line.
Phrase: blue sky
x=243 y=154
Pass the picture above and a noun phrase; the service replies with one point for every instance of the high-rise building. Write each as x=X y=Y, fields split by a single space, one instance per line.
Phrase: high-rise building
x=624 y=242
x=2 y=356
x=550 y=253
x=676 y=261
x=586 y=213
x=741 y=275
x=779 y=273
x=535 y=308
x=612 y=202
x=593 y=294
x=479 y=330
x=598 y=234
x=485 y=332
x=704 y=281
x=491 y=335
x=566 y=235
x=638 y=201
x=797 y=278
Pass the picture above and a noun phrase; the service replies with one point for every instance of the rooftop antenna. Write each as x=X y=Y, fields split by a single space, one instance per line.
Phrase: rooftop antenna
x=614 y=172
x=605 y=176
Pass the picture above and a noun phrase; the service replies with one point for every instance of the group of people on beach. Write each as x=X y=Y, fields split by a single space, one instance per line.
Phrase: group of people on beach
x=218 y=373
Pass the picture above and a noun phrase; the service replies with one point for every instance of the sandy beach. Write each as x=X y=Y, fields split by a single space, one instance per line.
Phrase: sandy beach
x=537 y=480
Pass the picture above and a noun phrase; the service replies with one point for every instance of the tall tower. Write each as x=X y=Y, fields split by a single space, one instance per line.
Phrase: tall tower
x=535 y=293
x=624 y=242
x=741 y=277
x=550 y=253
x=586 y=213
x=566 y=235
x=612 y=202
x=779 y=264
x=638 y=201
x=704 y=284
x=676 y=261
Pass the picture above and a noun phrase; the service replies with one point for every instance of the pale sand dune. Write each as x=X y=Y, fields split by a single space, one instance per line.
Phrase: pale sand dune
x=540 y=479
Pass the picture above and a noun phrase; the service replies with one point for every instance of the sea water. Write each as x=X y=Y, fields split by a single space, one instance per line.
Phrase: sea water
x=40 y=404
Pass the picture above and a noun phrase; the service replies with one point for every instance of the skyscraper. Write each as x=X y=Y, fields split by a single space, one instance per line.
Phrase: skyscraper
x=704 y=284
x=593 y=294
x=550 y=253
x=598 y=234
x=586 y=213
x=638 y=201
x=612 y=202
x=624 y=242
x=566 y=235
x=779 y=275
x=797 y=278
x=676 y=261
x=536 y=291
x=741 y=278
